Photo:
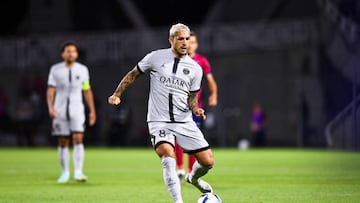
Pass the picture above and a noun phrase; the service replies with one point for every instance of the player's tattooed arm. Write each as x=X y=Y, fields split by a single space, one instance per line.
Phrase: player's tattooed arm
x=193 y=101
x=127 y=80
x=194 y=106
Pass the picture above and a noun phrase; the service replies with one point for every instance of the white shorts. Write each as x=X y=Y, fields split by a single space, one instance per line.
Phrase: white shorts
x=65 y=127
x=188 y=136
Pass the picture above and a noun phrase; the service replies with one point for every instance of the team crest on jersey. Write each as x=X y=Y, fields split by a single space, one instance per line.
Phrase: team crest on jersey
x=77 y=77
x=186 y=71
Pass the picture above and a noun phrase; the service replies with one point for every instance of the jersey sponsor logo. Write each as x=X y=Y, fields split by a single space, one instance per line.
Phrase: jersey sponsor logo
x=173 y=82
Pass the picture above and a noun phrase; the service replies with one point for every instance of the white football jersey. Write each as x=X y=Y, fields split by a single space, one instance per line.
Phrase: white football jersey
x=171 y=81
x=68 y=83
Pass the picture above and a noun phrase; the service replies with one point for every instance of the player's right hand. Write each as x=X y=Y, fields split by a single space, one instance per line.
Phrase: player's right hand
x=114 y=100
x=52 y=113
x=199 y=112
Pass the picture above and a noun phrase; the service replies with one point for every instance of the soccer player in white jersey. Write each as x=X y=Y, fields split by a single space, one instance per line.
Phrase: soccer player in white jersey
x=175 y=80
x=67 y=83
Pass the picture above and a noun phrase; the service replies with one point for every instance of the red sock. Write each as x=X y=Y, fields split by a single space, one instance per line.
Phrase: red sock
x=179 y=157
x=192 y=160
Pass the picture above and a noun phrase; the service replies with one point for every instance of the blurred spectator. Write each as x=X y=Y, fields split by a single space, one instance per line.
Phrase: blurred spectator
x=258 y=125
x=5 y=120
x=120 y=123
x=351 y=9
x=26 y=114
x=304 y=121
x=38 y=87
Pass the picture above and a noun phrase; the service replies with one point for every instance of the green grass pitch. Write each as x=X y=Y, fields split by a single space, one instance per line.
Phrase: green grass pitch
x=135 y=175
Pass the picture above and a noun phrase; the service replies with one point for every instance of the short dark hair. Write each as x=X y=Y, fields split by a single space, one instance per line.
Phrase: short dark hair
x=192 y=33
x=68 y=43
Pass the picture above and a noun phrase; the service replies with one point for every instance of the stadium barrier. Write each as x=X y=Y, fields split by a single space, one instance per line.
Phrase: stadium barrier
x=24 y=52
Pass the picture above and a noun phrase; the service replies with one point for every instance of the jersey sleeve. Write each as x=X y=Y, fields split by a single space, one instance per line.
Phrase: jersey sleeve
x=86 y=81
x=86 y=74
x=205 y=65
x=146 y=63
x=196 y=81
x=51 y=79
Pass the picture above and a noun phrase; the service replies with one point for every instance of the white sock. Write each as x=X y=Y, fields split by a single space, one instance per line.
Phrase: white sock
x=64 y=158
x=198 y=170
x=79 y=155
x=171 y=179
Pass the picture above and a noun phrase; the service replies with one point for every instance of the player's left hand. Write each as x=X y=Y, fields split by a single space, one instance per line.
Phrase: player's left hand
x=92 y=118
x=212 y=100
x=200 y=113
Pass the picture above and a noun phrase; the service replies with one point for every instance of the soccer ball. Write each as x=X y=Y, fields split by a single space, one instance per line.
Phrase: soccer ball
x=209 y=198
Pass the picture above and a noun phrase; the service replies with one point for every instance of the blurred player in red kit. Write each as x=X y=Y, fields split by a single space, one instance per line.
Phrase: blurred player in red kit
x=212 y=101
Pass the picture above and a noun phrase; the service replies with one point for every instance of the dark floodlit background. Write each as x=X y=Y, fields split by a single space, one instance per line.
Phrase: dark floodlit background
x=298 y=60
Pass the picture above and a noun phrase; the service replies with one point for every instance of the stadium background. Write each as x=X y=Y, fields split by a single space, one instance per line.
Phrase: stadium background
x=299 y=59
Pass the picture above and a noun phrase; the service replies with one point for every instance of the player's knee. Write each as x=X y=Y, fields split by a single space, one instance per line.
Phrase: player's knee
x=62 y=145
x=165 y=150
x=78 y=138
x=77 y=141
x=206 y=159
x=209 y=164
x=63 y=142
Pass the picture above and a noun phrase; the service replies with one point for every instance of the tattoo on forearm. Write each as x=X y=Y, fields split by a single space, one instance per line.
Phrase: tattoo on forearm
x=193 y=102
x=129 y=78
